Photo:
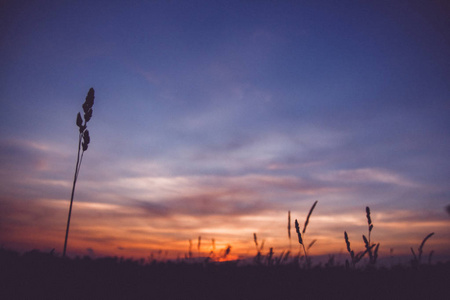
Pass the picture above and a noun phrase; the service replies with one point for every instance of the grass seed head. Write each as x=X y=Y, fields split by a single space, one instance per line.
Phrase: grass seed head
x=347 y=242
x=89 y=102
x=227 y=251
x=79 y=120
x=86 y=140
x=309 y=215
x=369 y=220
x=366 y=242
x=297 y=229
x=311 y=244
x=289 y=224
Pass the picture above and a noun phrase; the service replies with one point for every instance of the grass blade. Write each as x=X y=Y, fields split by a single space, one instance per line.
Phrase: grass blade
x=424 y=240
x=289 y=225
x=309 y=215
x=297 y=229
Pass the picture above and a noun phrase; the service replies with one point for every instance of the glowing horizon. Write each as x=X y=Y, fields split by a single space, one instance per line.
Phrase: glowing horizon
x=103 y=229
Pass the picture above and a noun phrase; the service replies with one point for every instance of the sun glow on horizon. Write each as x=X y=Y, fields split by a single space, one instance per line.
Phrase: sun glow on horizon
x=126 y=231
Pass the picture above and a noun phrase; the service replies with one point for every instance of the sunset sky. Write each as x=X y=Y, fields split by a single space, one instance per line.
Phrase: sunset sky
x=216 y=118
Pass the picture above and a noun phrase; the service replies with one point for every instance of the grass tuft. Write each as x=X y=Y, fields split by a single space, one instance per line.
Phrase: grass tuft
x=371 y=249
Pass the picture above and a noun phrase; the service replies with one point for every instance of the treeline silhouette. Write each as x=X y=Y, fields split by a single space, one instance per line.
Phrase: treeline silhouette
x=38 y=275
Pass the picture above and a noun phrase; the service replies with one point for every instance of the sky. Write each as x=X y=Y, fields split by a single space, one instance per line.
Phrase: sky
x=216 y=118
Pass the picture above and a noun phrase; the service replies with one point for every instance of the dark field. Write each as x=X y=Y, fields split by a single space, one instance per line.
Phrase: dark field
x=37 y=275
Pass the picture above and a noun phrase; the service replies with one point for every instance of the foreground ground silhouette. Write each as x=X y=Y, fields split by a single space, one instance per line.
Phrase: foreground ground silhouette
x=37 y=275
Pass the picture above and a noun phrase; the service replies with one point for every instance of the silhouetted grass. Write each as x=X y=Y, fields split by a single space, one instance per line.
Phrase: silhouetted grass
x=300 y=237
x=371 y=249
x=83 y=143
x=418 y=258
x=37 y=275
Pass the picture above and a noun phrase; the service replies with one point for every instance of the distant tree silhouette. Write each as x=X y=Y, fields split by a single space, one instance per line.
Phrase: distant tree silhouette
x=83 y=142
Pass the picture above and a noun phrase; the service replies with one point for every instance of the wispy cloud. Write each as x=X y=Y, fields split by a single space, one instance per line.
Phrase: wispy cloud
x=368 y=176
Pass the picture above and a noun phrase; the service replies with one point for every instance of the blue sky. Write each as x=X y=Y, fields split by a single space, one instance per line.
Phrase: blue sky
x=216 y=118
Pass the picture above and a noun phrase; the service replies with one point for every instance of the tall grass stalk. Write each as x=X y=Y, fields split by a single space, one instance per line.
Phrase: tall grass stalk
x=301 y=234
x=417 y=258
x=83 y=142
x=300 y=239
x=373 y=255
x=259 y=249
x=309 y=215
x=190 y=249
x=289 y=229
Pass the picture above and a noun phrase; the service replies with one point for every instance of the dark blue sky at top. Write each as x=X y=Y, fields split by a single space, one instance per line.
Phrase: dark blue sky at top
x=230 y=87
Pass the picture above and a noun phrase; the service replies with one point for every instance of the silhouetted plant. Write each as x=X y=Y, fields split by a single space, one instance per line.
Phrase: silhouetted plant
x=190 y=250
x=213 y=248
x=289 y=229
x=226 y=252
x=355 y=258
x=270 y=257
x=417 y=258
x=300 y=239
x=373 y=255
x=83 y=142
x=299 y=234
x=259 y=248
x=309 y=215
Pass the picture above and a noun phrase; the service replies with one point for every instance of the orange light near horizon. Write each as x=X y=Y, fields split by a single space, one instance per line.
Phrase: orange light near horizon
x=120 y=230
